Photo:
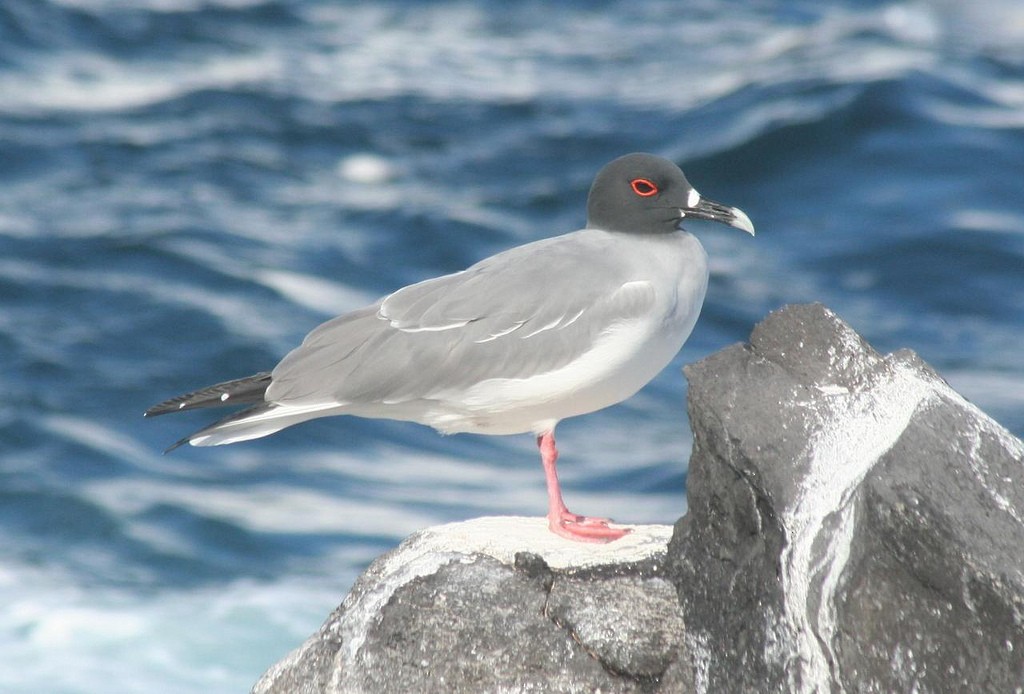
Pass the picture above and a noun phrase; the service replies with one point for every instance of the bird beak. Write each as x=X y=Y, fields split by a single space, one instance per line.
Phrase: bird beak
x=702 y=208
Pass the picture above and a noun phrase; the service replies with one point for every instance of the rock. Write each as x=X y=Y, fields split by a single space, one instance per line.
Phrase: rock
x=641 y=646
x=854 y=525
x=497 y=604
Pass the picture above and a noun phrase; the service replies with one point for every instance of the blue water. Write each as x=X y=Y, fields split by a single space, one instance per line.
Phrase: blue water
x=188 y=186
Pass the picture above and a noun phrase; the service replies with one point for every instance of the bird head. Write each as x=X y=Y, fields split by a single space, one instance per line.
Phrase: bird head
x=646 y=194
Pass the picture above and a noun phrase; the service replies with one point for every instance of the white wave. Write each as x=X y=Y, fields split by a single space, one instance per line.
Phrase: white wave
x=235 y=311
x=218 y=638
x=988 y=220
x=17 y=225
x=264 y=508
x=366 y=169
x=100 y=438
x=662 y=55
x=90 y=81
x=392 y=480
x=313 y=292
x=157 y=5
x=993 y=117
x=999 y=103
x=454 y=52
x=995 y=26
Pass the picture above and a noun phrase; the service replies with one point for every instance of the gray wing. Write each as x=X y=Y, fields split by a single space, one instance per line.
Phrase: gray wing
x=529 y=310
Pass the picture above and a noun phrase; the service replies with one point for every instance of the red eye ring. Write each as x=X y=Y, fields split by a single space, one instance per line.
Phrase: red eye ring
x=643 y=187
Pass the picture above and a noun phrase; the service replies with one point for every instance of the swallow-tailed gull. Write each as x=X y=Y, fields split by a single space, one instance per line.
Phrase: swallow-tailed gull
x=513 y=344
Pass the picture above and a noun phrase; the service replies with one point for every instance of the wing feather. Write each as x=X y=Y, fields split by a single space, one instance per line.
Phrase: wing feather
x=513 y=315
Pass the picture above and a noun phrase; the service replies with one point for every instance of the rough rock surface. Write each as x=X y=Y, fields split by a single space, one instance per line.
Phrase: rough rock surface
x=497 y=604
x=854 y=525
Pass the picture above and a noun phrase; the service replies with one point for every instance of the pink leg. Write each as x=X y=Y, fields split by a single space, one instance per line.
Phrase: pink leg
x=562 y=521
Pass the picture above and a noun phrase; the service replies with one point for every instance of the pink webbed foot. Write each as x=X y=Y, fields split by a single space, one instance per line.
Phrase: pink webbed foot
x=585 y=529
x=567 y=515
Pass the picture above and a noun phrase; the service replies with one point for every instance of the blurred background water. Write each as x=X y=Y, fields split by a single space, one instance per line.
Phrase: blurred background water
x=188 y=186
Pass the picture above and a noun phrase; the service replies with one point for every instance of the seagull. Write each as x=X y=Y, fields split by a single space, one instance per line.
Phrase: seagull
x=556 y=328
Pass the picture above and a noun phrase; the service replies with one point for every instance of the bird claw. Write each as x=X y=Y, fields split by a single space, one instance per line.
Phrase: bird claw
x=585 y=529
x=567 y=516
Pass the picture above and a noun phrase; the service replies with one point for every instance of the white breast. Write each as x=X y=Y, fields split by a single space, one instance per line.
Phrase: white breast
x=625 y=358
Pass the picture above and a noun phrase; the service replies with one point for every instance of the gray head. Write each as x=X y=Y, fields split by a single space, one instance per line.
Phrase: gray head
x=645 y=194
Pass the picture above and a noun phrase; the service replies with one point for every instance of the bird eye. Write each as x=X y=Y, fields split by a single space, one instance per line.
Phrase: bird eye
x=643 y=187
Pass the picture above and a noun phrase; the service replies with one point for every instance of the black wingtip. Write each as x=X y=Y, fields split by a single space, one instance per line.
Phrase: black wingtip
x=162 y=408
x=173 y=405
x=240 y=391
x=177 y=444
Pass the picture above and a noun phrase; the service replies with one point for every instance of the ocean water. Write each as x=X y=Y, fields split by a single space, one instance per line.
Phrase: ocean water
x=188 y=186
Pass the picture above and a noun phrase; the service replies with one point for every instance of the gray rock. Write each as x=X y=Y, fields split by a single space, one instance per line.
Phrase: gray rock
x=854 y=525
x=497 y=605
x=644 y=644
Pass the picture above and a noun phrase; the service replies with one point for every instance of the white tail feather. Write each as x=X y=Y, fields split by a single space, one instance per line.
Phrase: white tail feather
x=261 y=424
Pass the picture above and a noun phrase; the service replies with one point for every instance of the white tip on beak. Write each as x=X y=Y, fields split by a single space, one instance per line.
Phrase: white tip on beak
x=742 y=221
x=702 y=208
